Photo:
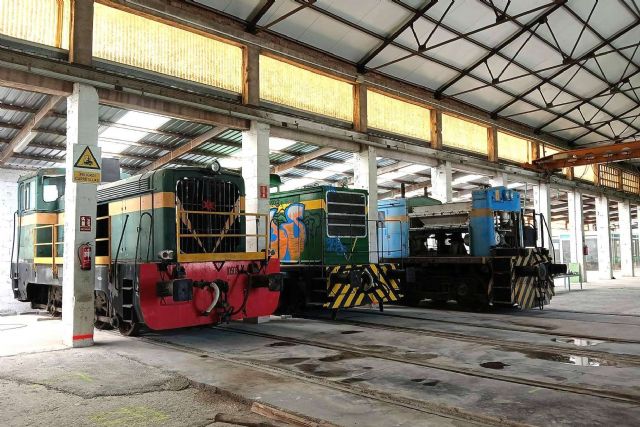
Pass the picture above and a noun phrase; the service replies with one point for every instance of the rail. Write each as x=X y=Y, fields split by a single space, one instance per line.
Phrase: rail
x=195 y=242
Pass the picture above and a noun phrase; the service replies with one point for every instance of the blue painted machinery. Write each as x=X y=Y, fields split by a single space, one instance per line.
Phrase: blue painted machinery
x=491 y=221
x=481 y=252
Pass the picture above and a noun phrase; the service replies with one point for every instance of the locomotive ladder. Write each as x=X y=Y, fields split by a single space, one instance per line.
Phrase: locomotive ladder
x=127 y=301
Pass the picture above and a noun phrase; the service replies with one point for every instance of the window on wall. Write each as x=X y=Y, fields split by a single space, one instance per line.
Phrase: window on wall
x=630 y=182
x=39 y=21
x=585 y=173
x=392 y=115
x=463 y=135
x=286 y=84
x=513 y=148
x=129 y=39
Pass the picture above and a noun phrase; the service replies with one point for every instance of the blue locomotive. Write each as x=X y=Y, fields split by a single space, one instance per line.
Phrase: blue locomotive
x=481 y=252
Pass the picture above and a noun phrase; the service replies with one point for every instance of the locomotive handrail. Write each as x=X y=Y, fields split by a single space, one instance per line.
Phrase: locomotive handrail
x=183 y=256
x=54 y=260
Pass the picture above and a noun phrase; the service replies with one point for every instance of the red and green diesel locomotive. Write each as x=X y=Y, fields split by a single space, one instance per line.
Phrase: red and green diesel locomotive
x=169 y=250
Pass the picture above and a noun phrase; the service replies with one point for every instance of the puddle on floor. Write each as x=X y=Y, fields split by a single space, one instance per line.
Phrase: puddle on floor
x=493 y=365
x=281 y=344
x=580 y=342
x=571 y=359
x=425 y=382
x=344 y=355
x=292 y=360
x=315 y=369
x=352 y=380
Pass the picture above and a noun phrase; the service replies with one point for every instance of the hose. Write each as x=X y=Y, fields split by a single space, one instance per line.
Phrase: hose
x=244 y=303
x=216 y=297
x=13 y=245
x=115 y=262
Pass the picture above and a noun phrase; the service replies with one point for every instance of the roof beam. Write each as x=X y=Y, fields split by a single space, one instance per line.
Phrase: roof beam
x=569 y=64
x=388 y=40
x=257 y=14
x=302 y=159
x=184 y=149
x=25 y=135
x=556 y=5
x=132 y=101
x=22 y=80
x=527 y=70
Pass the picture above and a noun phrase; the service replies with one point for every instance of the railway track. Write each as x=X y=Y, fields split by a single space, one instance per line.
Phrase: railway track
x=589 y=391
x=430 y=408
x=531 y=329
x=505 y=344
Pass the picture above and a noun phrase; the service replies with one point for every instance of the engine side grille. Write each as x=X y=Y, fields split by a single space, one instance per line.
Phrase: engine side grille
x=124 y=190
x=203 y=224
x=346 y=214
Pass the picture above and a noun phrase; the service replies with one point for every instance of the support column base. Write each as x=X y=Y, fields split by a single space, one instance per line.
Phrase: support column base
x=78 y=342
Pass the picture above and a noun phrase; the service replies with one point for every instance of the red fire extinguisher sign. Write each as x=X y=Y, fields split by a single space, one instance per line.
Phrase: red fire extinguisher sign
x=264 y=191
x=85 y=223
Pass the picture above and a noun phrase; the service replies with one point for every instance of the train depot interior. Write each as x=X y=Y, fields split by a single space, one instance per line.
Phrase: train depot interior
x=320 y=213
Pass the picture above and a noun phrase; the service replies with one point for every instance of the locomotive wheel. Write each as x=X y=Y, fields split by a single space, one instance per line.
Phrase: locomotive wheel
x=411 y=300
x=102 y=309
x=129 y=329
x=103 y=326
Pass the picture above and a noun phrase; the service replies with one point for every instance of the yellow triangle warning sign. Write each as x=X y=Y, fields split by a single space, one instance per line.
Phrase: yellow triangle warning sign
x=87 y=160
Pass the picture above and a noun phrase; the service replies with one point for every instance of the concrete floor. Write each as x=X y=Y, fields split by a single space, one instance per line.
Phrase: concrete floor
x=575 y=363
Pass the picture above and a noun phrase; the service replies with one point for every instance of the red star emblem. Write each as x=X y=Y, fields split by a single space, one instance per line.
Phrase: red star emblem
x=208 y=205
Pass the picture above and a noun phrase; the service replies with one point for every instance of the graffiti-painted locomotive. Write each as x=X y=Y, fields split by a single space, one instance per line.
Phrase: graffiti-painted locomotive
x=169 y=250
x=321 y=237
x=477 y=253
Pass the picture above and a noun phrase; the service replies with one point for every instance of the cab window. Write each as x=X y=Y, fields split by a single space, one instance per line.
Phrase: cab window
x=52 y=188
x=26 y=196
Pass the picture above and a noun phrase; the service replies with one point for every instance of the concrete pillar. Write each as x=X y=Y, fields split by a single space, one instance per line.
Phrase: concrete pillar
x=604 y=238
x=255 y=171
x=365 y=177
x=499 y=180
x=576 y=231
x=441 y=177
x=542 y=205
x=626 y=249
x=79 y=200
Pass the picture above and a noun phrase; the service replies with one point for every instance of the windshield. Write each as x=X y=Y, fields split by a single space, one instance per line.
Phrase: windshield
x=52 y=188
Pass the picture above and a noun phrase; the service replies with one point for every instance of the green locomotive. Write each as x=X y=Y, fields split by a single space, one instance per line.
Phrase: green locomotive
x=169 y=250
x=321 y=236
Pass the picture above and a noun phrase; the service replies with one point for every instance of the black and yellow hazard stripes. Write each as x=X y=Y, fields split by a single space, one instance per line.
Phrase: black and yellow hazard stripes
x=356 y=285
x=530 y=291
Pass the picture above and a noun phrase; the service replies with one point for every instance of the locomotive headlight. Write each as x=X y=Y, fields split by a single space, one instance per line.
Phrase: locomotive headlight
x=165 y=255
x=215 y=166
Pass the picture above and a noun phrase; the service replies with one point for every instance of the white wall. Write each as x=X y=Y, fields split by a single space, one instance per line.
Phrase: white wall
x=8 y=205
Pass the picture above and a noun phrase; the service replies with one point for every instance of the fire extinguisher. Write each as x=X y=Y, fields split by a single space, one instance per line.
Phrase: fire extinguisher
x=585 y=250
x=84 y=256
